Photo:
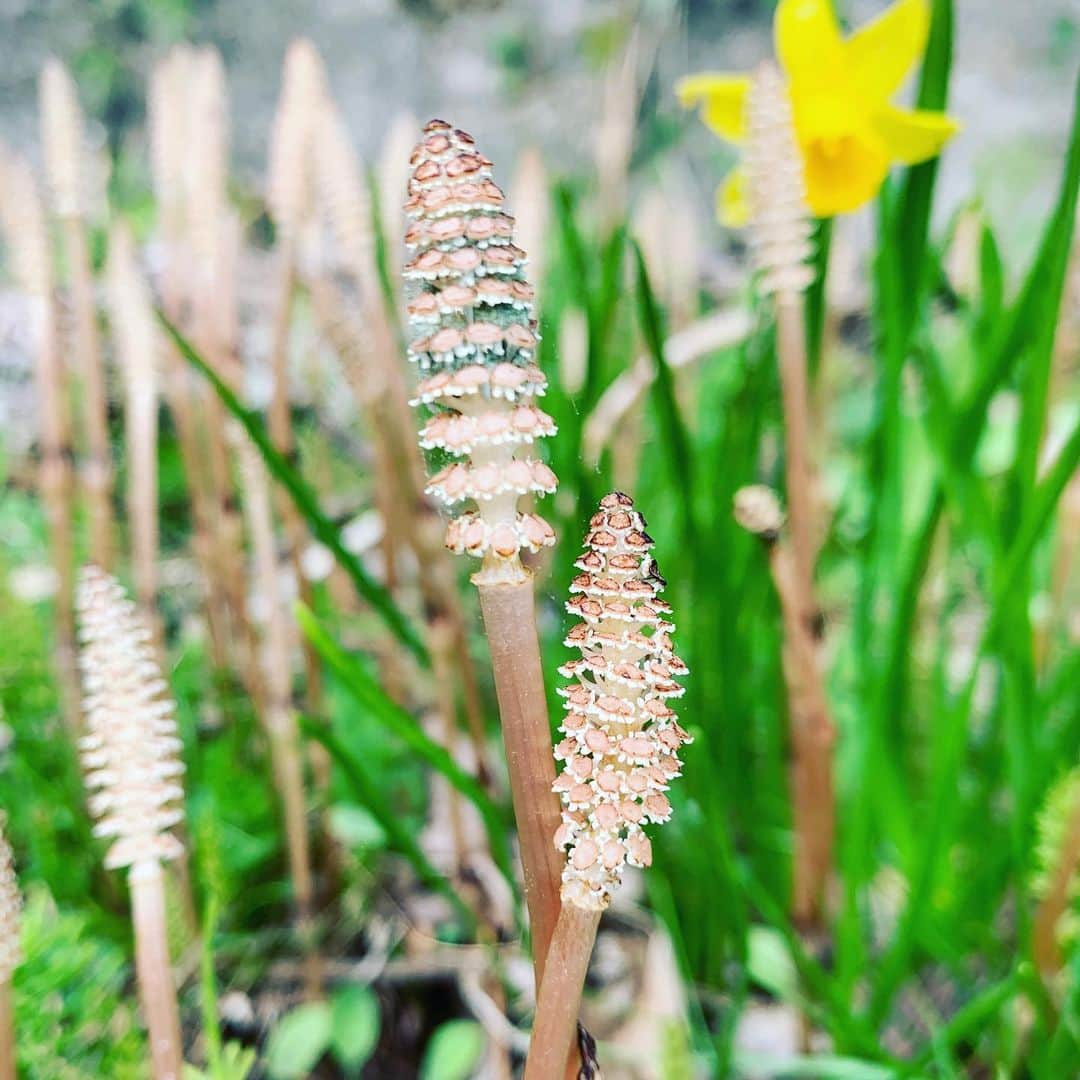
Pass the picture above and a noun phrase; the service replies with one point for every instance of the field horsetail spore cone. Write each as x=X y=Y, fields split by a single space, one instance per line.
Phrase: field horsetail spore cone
x=622 y=739
x=619 y=753
x=473 y=337
x=474 y=340
x=131 y=757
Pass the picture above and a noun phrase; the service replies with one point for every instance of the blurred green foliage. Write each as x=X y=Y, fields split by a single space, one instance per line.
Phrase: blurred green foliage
x=73 y=1014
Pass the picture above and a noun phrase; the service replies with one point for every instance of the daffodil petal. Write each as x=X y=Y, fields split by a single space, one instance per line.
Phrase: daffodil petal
x=808 y=43
x=722 y=99
x=843 y=173
x=913 y=135
x=731 y=206
x=881 y=54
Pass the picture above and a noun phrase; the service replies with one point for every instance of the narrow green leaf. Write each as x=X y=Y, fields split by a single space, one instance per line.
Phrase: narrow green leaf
x=573 y=245
x=382 y=263
x=916 y=194
x=934 y=844
x=364 y=689
x=305 y=499
x=816 y=305
x=1041 y=327
x=673 y=430
x=367 y=793
x=818 y=1067
x=1039 y=298
x=1042 y=286
x=967 y=1020
x=1043 y=501
x=991 y=278
x=822 y=991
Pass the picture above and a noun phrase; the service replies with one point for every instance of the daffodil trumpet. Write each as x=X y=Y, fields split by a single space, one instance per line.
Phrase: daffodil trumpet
x=849 y=131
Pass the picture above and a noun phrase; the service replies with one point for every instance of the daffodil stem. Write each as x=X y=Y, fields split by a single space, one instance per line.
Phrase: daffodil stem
x=154 y=970
x=811 y=728
x=559 y=997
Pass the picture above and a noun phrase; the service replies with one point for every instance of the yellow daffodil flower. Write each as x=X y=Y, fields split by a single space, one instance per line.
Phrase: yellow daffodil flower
x=848 y=130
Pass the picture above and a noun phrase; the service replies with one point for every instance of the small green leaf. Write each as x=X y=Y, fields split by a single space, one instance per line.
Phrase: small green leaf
x=770 y=964
x=356 y=827
x=454 y=1051
x=237 y=1061
x=355 y=1019
x=299 y=1040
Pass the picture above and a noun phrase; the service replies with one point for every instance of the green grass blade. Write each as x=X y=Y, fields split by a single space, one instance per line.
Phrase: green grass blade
x=916 y=194
x=816 y=300
x=382 y=264
x=367 y=794
x=672 y=428
x=322 y=528
x=1042 y=503
x=1039 y=298
x=817 y=1067
x=970 y=419
x=934 y=843
x=968 y=1019
x=849 y=1030
x=1041 y=326
x=364 y=689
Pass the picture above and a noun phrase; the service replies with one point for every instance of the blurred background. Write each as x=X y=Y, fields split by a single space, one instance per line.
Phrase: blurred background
x=936 y=435
x=519 y=73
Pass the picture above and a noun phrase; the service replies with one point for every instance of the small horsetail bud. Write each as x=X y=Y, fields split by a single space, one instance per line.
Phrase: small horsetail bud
x=474 y=339
x=131 y=751
x=620 y=751
x=758 y=511
x=780 y=226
